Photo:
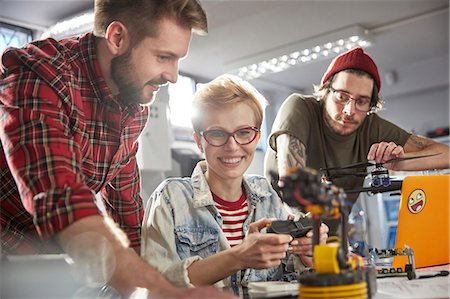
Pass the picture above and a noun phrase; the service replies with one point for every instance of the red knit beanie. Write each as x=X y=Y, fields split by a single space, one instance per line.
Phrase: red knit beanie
x=353 y=59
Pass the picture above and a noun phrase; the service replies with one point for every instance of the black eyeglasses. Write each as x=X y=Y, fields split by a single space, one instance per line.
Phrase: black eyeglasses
x=218 y=137
x=343 y=98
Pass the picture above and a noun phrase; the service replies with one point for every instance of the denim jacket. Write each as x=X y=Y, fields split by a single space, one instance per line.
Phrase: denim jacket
x=182 y=225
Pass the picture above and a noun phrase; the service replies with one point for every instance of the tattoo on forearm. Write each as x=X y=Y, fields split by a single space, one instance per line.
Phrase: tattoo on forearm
x=291 y=154
x=417 y=142
x=296 y=155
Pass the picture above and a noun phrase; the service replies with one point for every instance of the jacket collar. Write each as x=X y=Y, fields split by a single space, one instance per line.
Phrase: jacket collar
x=202 y=194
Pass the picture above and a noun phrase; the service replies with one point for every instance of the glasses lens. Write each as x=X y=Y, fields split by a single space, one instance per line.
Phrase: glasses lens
x=242 y=136
x=245 y=136
x=216 y=137
x=341 y=97
x=362 y=104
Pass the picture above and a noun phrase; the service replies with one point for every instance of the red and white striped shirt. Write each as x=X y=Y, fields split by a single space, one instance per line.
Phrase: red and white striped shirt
x=233 y=215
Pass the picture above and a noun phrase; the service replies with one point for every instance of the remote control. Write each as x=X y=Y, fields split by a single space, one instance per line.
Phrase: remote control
x=296 y=229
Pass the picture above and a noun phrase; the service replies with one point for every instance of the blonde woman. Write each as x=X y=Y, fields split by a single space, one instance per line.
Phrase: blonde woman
x=205 y=229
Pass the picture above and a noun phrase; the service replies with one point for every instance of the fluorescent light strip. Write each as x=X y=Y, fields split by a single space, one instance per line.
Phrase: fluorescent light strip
x=316 y=53
x=76 y=25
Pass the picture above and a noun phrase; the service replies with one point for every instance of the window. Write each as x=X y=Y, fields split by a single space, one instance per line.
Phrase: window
x=13 y=36
x=180 y=99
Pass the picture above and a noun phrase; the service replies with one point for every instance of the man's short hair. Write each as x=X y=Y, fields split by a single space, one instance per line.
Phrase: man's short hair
x=142 y=17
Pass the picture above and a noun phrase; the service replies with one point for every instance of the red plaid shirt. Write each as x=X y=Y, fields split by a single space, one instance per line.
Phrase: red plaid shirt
x=64 y=137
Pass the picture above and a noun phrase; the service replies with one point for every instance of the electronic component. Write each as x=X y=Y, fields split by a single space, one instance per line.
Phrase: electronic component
x=384 y=259
x=335 y=274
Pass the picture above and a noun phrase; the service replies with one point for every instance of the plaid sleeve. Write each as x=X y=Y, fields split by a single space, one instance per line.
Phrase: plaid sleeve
x=44 y=158
x=122 y=193
x=125 y=203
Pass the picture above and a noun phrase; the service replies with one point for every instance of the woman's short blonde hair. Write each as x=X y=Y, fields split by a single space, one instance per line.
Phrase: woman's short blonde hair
x=225 y=91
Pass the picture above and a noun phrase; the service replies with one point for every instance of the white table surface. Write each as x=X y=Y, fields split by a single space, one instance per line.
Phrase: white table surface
x=428 y=288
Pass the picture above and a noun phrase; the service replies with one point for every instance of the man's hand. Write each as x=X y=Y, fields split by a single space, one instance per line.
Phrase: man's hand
x=261 y=251
x=101 y=255
x=385 y=151
x=303 y=246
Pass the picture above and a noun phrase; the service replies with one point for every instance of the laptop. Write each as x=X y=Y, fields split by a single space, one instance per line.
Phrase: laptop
x=423 y=220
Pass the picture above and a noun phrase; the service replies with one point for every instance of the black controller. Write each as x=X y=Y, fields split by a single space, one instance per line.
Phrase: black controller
x=296 y=229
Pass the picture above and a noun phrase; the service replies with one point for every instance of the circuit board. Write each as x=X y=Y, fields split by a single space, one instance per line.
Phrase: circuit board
x=384 y=258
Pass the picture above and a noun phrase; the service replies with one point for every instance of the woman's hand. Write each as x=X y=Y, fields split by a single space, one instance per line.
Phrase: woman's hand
x=304 y=246
x=261 y=251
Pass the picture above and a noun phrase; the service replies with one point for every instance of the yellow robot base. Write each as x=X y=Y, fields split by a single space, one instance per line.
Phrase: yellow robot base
x=354 y=291
x=335 y=276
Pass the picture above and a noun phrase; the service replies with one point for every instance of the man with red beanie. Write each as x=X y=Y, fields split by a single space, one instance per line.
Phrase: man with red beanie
x=338 y=126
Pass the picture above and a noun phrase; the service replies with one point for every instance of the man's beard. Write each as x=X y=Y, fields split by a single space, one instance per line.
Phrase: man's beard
x=122 y=71
x=334 y=125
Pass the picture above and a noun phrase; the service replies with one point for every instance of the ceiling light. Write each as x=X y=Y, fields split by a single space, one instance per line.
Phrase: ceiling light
x=73 y=26
x=315 y=49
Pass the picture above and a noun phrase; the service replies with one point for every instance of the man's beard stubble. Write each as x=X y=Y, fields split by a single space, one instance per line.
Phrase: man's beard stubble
x=121 y=72
x=332 y=122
